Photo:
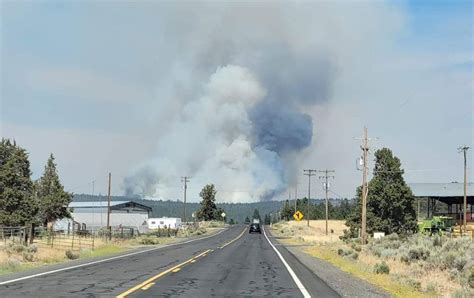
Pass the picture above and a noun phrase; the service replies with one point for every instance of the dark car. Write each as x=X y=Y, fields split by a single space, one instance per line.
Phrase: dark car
x=255 y=228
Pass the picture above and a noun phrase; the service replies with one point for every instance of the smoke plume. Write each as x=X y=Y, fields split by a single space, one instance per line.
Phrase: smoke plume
x=236 y=115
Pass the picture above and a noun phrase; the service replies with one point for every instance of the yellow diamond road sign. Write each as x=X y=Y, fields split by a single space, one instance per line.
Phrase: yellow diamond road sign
x=298 y=215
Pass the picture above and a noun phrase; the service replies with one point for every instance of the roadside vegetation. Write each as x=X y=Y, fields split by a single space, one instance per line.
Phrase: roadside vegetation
x=403 y=262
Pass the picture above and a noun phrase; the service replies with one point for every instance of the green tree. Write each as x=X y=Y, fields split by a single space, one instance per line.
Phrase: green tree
x=256 y=214
x=390 y=207
x=17 y=203
x=53 y=200
x=247 y=220
x=231 y=221
x=287 y=211
x=209 y=210
x=267 y=219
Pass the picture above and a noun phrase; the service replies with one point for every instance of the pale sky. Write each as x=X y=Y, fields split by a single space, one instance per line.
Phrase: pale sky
x=108 y=86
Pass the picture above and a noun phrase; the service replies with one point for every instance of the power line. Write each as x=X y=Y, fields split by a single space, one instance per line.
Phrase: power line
x=309 y=173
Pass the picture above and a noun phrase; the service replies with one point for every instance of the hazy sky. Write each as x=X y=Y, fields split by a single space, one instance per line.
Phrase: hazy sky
x=156 y=90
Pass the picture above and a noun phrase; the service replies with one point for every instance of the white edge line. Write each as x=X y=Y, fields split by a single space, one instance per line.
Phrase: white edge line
x=299 y=284
x=103 y=260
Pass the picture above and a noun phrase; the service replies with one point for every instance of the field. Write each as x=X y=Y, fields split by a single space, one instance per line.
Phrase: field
x=15 y=256
x=416 y=266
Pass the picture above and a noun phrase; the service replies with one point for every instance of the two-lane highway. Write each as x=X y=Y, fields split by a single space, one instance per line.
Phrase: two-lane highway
x=231 y=263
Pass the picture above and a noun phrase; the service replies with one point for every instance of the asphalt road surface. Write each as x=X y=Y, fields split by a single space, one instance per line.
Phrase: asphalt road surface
x=231 y=263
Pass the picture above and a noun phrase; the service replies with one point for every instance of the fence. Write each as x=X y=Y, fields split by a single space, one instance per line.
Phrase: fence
x=76 y=240
x=13 y=234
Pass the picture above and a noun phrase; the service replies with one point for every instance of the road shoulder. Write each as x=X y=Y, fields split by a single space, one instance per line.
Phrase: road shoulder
x=342 y=282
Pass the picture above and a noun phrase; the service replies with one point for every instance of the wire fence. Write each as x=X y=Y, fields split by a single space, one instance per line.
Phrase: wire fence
x=13 y=234
x=74 y=241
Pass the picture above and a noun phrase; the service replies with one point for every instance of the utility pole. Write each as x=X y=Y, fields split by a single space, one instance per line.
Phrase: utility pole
x=93 y=204
x=326 y=189
x=296 y=194
x=109 y=230
x=464 y=149
x=365 y=152
x=185 y=179
x=309 y=173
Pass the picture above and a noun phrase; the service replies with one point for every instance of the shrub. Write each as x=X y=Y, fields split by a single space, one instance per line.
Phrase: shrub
x=470 y=279
x=459 y=263
x=148 y=241
x=391 y=237
x=418 y=253
x=431 y=287
x=332 y=231
x=381 y=268
x=459 y=293
x=449 y=259
x=32 y=248
x=354 y=255
x=71 y=255
x=340 y=252
x=415 y=284
x=14 y=248
x=437 y=241
x=29 y=256
x=387 y=253
x=10 y=264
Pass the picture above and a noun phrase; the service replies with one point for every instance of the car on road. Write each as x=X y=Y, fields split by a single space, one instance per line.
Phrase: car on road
x=255 y=228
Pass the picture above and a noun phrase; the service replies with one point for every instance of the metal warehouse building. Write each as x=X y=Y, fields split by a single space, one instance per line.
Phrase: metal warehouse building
x=451 y=195
x=93 y=215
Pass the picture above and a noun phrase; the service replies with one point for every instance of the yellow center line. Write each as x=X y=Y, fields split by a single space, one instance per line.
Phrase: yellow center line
x=235 y=239
x=153 y=278
x=146 y=287
x=176 y=270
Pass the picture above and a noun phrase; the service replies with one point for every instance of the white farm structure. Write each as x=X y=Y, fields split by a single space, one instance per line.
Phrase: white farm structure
x=92 y=216
x=164 y=222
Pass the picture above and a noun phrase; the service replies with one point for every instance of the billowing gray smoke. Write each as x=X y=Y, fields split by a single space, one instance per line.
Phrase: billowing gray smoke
x=236 y=110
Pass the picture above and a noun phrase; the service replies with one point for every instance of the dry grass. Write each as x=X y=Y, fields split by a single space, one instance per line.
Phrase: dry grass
x=316 y=232
x=404 y=280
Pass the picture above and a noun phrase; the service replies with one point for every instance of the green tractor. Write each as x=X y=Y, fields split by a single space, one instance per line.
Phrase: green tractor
x=438 y=225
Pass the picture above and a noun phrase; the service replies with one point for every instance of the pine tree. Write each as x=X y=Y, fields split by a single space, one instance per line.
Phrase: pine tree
x=17 y=203
x=287 y=211
x=53 y=200
x=389 y=202
x=208 y=209
x=256 y=214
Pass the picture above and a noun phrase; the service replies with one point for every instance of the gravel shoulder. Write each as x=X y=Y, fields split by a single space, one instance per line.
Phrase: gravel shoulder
x=342 y=282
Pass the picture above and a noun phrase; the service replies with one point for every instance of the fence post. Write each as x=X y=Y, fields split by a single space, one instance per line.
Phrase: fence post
x=72 y=243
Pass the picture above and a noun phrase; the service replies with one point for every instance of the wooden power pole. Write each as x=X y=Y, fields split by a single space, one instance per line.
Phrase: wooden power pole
x=309 y=173
x=109 y=230
x=326 y=189
x=464 y=149
x=365 y=190
x=296 y=195
x=185 y=179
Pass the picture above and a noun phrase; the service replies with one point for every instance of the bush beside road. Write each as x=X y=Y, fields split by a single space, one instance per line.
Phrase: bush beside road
x=416 y=266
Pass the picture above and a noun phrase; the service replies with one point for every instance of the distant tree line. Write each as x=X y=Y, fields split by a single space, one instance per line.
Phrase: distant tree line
x=317 y=209
x=24 y=201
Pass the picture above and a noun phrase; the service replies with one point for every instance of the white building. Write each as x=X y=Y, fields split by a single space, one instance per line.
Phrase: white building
x=93 y=215
x=164 y=222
